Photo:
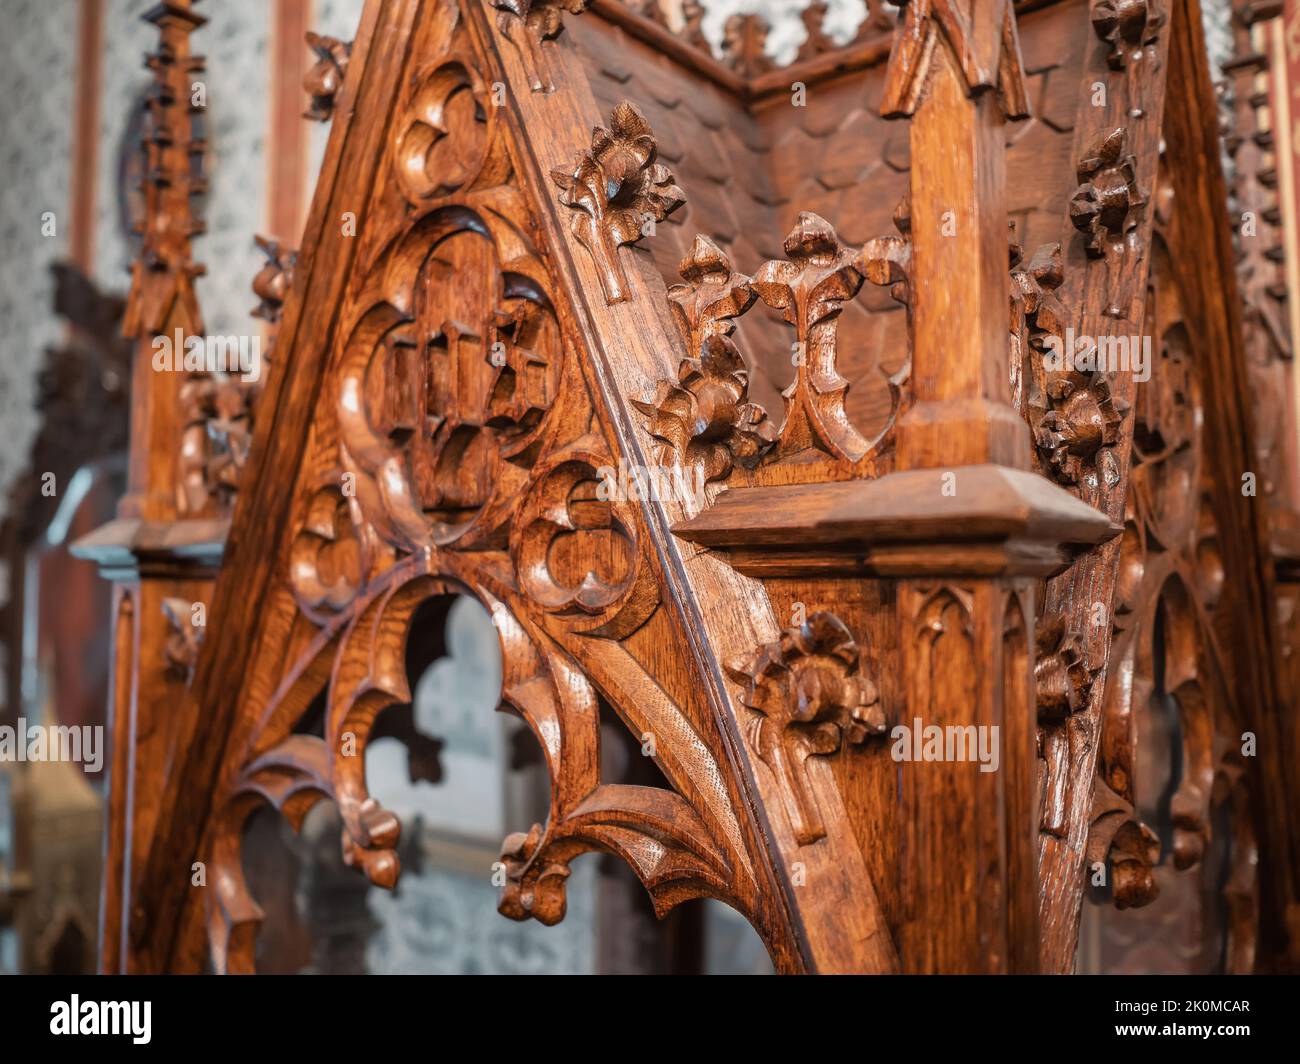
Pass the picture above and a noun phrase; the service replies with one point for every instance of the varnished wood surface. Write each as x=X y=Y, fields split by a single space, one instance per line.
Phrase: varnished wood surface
x=612 y=263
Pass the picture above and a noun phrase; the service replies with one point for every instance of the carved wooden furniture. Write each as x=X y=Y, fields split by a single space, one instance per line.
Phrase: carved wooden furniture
x=729 y=390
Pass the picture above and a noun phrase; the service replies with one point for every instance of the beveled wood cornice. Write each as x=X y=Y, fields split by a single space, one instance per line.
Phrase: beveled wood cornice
x=998 y=521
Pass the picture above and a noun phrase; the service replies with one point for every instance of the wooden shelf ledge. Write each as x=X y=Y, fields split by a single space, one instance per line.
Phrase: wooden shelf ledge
x=129 y=547
x=983 y=520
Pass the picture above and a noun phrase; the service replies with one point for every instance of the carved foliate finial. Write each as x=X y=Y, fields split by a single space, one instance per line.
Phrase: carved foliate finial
x=713 y=294
x=744 y=45
x=705 y=417
x=810 y=692
x=1062 y=677
x=618 y=192
x=983 y=39
x=1106 y=206
x=325 y=78
x=693 y=25
x=818 y=40
x=274 y=279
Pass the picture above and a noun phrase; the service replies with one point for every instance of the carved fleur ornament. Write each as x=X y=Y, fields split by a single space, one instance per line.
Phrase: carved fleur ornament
x=704 y=418
x=810 y=288
x=810 y=692
x=618 y=192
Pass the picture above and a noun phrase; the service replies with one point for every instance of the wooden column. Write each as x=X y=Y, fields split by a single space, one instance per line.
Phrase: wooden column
x=956 y=70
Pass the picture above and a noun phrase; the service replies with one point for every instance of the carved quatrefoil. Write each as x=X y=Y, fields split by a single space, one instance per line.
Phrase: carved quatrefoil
x=444 y=140
x=574 y=543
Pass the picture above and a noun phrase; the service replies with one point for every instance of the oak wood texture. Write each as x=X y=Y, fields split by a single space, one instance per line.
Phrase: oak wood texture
x=736 y=413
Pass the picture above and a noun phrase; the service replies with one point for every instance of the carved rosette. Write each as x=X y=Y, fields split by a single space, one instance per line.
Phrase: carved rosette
x=1076 y=434
x=1106 y=206
x=809 y=692
x=324 y=80
x=618 y=192
x=704 y=419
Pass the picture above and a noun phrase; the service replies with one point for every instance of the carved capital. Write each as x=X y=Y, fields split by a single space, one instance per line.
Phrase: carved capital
x=810 y=693
x=618 y=192
x=984 y=43
x=324 y=80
